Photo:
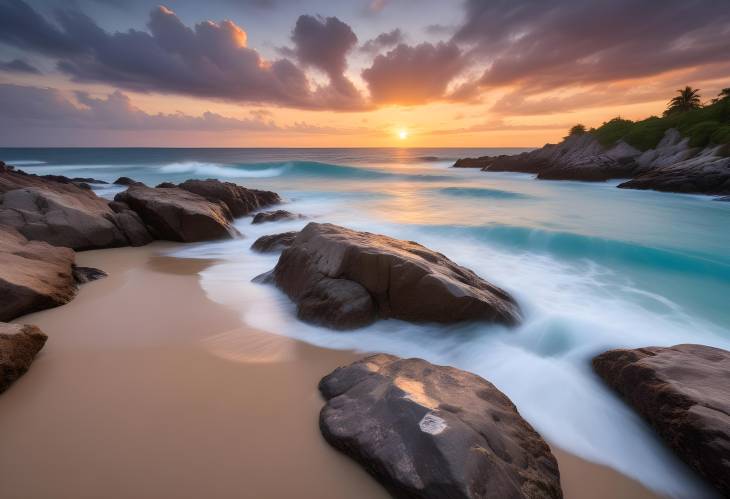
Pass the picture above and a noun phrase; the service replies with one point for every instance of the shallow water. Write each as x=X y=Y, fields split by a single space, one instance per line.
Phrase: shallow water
x=594 y=267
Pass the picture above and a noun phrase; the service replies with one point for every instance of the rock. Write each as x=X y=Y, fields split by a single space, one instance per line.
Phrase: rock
x=166 y=185
x=62 y=214
x=239 y=200
x=82 y=275
x=684 y=392
x=179 y=215
x=403 y=279
x=19 y=345
x=127 y=181
x=725 y=198
x=274 y=242
x=33 y=275
x=470 y=162
x=338 y=303
x=274 y=216
x=428 y=431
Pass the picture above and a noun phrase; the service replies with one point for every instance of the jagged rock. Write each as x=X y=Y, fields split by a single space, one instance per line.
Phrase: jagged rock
x=19 y=345
x=179 y=215
x=684 y=392
x=33 y=275
x=274 y=216
x=63 y=214
x=239 y=200
x=82 y=275
x=428 y=431
x=399 y=279
x=274 y=242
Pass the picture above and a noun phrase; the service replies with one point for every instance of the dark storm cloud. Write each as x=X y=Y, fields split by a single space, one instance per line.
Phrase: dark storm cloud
x=413 y=74
x=546 y=43
x=209 y=60
x=38 y=108
x=382 y=41
x=18 y=66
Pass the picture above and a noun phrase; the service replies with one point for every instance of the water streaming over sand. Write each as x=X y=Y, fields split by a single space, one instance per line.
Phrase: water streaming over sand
x=594 y=268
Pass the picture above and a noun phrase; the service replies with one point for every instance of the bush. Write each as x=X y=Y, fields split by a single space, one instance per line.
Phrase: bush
x=646 y=134
x=612 y=131
x=721 y=135
x=699 y=134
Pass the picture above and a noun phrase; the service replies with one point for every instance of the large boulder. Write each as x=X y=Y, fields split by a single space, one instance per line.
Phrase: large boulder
x=33 y=275
x=19 y=345
x=383 y=277
x=239 y=200
x=64 y=214
x=428 y=431
x=684 y=392
x=179 y=215
x=274 y=242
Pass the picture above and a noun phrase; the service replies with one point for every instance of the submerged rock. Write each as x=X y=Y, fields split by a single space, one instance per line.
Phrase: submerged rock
x=239 y=200
x=274 y=216
x=178 y=215
x=19 y=345
x=33 y=275
x=274 y=242
x=428 y=431
x=684 y=392
x=395 y=278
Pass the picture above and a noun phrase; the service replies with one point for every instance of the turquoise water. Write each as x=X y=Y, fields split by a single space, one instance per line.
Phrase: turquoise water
x=594 y=267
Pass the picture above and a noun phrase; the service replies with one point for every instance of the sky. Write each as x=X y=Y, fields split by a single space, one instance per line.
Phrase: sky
x=346 y=73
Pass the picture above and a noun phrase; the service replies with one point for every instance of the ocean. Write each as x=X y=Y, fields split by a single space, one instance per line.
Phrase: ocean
x=593 y=267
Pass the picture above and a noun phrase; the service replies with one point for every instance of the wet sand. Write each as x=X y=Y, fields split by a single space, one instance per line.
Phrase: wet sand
x=147 y=389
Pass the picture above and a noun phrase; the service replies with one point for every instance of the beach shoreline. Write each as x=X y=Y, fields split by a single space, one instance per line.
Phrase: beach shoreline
x=147 y=388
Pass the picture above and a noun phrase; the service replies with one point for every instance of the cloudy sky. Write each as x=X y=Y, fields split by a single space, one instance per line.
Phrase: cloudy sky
x=320 y=73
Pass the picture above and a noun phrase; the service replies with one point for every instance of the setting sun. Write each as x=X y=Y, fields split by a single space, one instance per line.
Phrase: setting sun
x=402 y=134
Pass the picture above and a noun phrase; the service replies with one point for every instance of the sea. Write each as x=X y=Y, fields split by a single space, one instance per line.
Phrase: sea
x=593 y=267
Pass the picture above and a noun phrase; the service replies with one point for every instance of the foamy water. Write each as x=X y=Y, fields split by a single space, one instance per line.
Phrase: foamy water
x=593 y=267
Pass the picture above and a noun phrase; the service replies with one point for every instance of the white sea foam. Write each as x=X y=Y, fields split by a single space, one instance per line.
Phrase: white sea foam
x=24 y=162
x=220 y=171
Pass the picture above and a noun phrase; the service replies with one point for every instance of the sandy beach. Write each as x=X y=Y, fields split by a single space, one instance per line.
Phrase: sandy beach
x=148 y=389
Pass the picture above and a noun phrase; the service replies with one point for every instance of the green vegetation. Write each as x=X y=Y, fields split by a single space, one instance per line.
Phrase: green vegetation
x=577 y=130
x=704 y=125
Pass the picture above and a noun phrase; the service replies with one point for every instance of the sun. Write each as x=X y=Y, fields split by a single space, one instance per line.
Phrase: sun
x=403 y=134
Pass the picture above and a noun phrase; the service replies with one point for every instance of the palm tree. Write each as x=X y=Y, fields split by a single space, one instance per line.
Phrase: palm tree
x=687 y=100
x=724 y=94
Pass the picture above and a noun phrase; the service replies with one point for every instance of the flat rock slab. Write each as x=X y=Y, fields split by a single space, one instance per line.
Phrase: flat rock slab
x=178 y=215
x=428 y=431
x=19 y=345
x=684 y=392
x=33 y=275
x=344 y=279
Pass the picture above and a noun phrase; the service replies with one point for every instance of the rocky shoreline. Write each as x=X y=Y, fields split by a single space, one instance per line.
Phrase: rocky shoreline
x=434 y=431
x=672 y=166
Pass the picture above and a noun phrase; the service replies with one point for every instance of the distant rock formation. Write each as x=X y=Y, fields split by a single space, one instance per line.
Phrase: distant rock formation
x=274 y=216
x=274 y=242
x=346 y=279
x=430 y=432
x=671 y=166
x=684 y=392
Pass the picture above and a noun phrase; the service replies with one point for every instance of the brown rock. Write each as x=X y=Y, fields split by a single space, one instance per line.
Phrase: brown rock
x=19 y=345
x=239 y=200
x=684 y=392
x=178 y=215
x=274 y=216
x=403 y=279
x=274 y=242
x=428 y=431
x=33 y=275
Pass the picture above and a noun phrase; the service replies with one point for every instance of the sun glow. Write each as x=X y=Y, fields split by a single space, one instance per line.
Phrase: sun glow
x=402 y=134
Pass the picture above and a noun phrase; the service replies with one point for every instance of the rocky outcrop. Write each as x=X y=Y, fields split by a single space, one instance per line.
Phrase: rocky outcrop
x=176 y=214
x=33 y=275
x=344 y=279
x=428 y=431
x=19 y=345
x=239 y=200
x=671 y=166
x=274 y=242
x=126 y=181
x=684 y=392
x=274 y=216
x=64 y=214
